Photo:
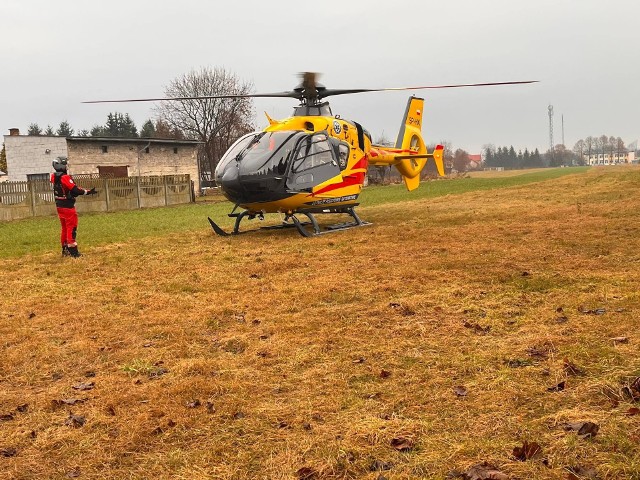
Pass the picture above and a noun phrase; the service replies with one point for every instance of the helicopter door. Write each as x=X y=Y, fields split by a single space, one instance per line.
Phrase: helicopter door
x=313 y=163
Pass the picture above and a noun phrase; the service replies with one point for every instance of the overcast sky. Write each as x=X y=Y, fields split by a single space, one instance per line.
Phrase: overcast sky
x=584 y=52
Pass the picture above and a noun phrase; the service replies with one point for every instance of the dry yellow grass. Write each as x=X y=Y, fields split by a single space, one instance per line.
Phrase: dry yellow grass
x=272 y=356
x=503 y=173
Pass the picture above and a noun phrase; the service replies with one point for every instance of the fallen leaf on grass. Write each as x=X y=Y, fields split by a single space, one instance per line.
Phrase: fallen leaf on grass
x=632 y=389
x=84 y=386
x=481 y=471
x=193 y=403
x=238 y=415
x=32 y=315
x=6 y=417
x=67 y=401
x=557 y=388
x=307 y=473
x=581 y=473
x=477 y=328
x=517 y=363
x=572 y=369
x=617 y=340
x=583 y=429
x=75 y=421
x=527 y=451
x=73 y=473
x=633 y=411
x=8 y=452
x=460 y=391
x=402 y=309
x=402 y=444
x=540 y=352
x=385 y=373
x=378 y=465
x=589 y=311
x=110 y=410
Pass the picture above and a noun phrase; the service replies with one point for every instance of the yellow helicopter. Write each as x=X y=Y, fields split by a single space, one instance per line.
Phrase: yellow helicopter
x=315 y=162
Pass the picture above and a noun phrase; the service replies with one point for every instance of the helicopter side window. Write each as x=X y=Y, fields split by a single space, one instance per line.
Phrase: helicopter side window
x=341 y=150
x=314 y=162
x=312 y=152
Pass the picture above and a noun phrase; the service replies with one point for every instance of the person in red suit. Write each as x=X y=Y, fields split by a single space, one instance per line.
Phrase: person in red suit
x=65 y=192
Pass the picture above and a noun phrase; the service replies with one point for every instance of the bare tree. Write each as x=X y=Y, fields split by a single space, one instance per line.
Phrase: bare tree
x=217 y=122
x=460 y=160
x=603 y=143
x=589 y=145
x=620 y=147
x=579 y=149
x=612 y=147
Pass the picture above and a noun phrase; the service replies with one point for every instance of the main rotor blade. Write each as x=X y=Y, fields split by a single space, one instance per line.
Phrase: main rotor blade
x=332 y=92
x=204 y=97
x=321 y=92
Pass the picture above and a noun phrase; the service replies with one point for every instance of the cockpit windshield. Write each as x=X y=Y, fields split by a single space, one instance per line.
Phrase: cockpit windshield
x=262 y=153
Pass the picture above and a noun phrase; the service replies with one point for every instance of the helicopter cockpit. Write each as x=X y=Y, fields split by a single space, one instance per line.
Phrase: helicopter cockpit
x=266 y=166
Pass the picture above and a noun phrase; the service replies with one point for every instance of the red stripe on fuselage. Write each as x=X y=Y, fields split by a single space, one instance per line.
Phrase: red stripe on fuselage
x=348 y=180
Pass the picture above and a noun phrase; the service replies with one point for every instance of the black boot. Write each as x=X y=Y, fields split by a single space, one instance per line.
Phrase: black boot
x=65 y=251
x=73 y=252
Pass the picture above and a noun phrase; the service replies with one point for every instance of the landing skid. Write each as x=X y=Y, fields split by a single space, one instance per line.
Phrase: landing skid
x=308 y=228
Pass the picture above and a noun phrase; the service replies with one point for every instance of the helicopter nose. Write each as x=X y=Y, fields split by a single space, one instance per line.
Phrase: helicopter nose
x=229 y=182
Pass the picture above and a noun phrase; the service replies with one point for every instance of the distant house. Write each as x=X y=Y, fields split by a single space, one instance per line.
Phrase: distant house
x=475 y=161
x=29 y=157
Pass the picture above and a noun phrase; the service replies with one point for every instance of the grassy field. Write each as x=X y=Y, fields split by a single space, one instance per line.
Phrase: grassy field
x=471 y=317
x=39 y=235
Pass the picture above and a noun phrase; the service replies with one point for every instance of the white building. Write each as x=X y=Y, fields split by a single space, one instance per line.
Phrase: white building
x=609 y=158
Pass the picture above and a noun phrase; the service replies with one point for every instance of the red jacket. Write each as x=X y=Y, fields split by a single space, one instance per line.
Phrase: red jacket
x=65 y=190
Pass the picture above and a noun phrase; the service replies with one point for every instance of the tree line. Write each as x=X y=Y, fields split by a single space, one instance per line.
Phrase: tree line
x=215 y=122
x=603 y=144
x=117 y=125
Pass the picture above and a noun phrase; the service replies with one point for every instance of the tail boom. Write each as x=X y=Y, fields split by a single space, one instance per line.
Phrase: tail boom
x=410 y=154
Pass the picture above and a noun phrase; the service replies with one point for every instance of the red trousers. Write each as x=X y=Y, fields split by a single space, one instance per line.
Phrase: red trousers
x=69 y=223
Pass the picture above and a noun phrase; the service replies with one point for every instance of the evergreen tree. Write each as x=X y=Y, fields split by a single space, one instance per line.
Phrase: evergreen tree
x=3 y=159
x=83 y=133
x=49 y=131
x=34 y=129
x=148 y=129
x=119 y=125
x=64 y=129
x=536 y=159
x=97 y=131
x=513 y=157
x=489 y=157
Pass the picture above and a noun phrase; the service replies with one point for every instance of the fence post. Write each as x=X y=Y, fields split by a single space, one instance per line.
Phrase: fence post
x=106 y=193
x=138 y=191
x=32 y=192
x=165 y=181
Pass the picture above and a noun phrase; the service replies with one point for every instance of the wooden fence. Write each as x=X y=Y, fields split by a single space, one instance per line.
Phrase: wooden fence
x=35 y=198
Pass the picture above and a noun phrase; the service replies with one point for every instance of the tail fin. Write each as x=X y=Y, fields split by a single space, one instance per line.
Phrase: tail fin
x=410 y=152
x=410 y=141
x=411 y=123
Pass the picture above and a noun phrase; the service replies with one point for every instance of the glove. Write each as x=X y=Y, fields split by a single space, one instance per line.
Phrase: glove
x=93 y=191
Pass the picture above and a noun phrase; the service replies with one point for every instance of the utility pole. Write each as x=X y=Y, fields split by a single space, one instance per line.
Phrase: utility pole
x=562 y=129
